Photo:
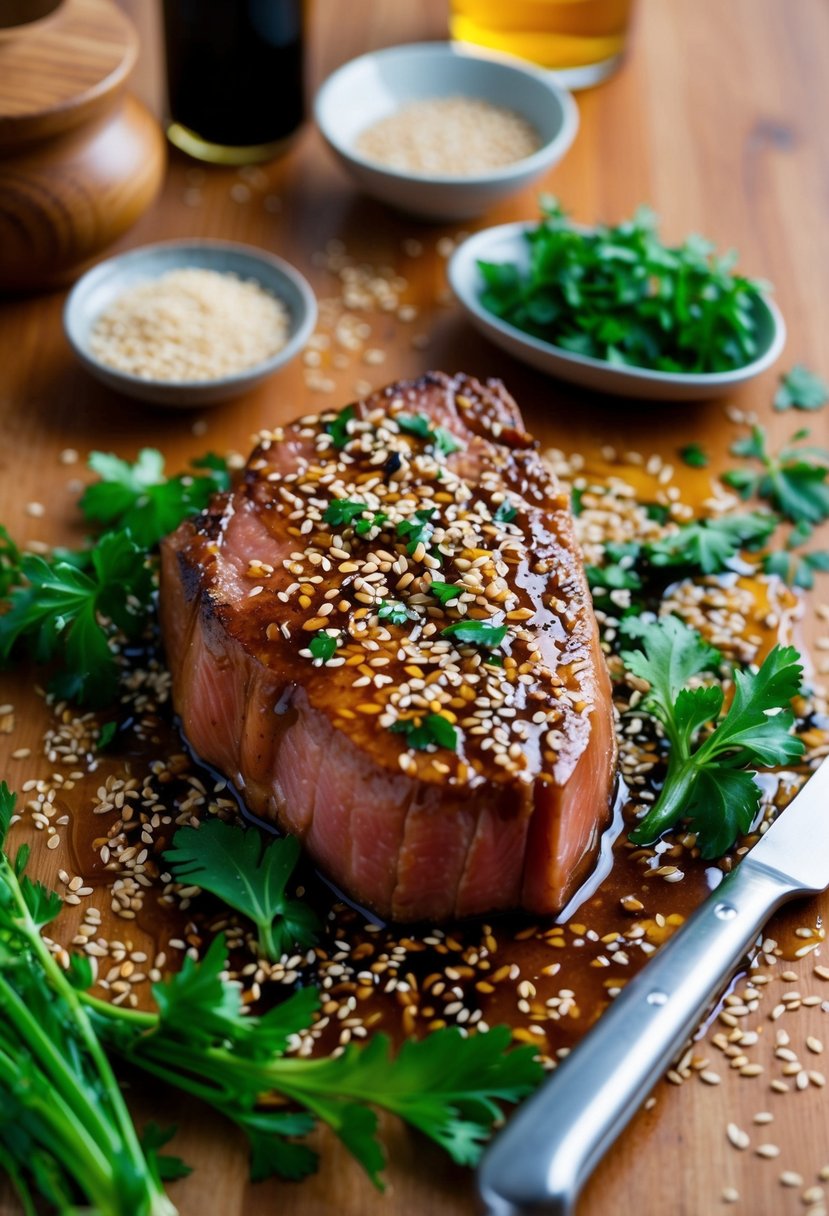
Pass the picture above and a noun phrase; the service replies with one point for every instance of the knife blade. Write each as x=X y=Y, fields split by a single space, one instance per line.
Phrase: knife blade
x=537 y=1165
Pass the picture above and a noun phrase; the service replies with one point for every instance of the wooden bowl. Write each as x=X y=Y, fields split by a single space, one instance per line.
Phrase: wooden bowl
x=80 y=160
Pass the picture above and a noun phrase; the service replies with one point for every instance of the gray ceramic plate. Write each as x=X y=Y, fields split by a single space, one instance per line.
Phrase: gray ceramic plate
x=101 y=286
x=506 y=243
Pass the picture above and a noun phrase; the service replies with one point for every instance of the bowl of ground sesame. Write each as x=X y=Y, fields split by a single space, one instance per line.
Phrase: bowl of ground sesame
x=440 y=133
x=189 y=323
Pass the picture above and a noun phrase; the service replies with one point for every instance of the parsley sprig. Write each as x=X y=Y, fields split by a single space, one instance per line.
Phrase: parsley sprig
x=250 y=874
x=801 y=389
x=70 y=613
x=139 y=497
x=422 y=732
x=420 y=426
x=709 y=780
x=619 y=294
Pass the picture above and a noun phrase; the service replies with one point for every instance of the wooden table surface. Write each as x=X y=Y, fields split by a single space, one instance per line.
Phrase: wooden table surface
x=718 y=121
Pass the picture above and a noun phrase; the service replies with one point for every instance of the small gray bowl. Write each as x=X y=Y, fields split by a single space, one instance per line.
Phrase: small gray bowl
x=376 y=85
x=101 y=286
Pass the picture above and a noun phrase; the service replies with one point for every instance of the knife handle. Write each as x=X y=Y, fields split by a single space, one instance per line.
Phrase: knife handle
x=538 y=1164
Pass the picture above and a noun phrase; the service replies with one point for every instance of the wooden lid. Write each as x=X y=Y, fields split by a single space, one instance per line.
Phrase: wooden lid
x=57 y=71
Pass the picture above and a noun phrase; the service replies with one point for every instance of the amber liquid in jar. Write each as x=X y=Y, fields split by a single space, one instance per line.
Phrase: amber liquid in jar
x=235 y=80
x=580 y=40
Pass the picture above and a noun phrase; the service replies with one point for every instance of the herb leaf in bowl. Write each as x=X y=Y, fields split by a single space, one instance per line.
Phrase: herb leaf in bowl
x=619 y=294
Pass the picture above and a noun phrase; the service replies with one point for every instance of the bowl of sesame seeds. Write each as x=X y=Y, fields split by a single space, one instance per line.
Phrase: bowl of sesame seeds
x=189 y=323
x=441 y=133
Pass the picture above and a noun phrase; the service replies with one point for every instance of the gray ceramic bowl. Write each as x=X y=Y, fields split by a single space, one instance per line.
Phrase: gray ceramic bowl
x=376 y=85
x=102 y=285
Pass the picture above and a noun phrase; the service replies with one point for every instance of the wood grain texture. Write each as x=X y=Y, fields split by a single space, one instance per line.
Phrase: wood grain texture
x=718 y=121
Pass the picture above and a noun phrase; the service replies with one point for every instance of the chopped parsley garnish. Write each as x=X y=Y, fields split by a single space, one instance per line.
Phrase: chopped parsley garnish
x=249 y=872
x=793 y=481
x=341 y=512
x=506 y=513
x=323 y=646
x=797 y=569
x=338 y=427
x=105 y=735
x=445 y=592
x=422 y=732
x=708 y=545
x=478 y=633
x=710 y=777
x=140 y=498
x=801 y=389
x=619 y=294
x=70 y=614
x=394 y=611
x=421 y=427
x=11 y=571
x=695 y=456
x=418 y=529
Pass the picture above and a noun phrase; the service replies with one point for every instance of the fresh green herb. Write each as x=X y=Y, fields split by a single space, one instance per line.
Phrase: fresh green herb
x=375 y=519
x=338 y=428
x=71 y=614
x=620 y=295
x=478 y=633
x=421 y=427
x=392 y=610
x=323 y=646
x=140 y=498
x=445 y=592
x=801 y=389
x=341 y=512
x=709 y=545
x=422 y=732
x=506 y=513
x=796 y=569
x=11 y=558
x=105 y=735
x=794 y=481
x=657 y=512
x=166 y=1168
x=576 y=496
x=695 y=456
x=65 y=1132
x=249 y=873
x=619 y=572
x=418 y=529
x=709 y=781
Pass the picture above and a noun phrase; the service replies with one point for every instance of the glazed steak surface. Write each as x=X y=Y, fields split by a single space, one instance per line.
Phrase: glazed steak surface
x=384 y=638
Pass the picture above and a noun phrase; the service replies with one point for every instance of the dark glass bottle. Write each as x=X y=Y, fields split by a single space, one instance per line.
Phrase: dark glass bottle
x=235 y=79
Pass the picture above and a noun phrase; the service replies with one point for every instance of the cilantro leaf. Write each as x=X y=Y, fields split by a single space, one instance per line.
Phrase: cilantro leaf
x=323 y=646
x=446 y=592
x=140 y=498
x=341 y=512
x=797 y=569
x=695 y=456
x=794 y=481
x=167 y=1168
x=422 y=732
x=417 y=529
x=477 y=633
x=392 y=610
x=63 y=612
x=338 y=429
x=801 y=389
x=421 y=427
x=506 y=513
x=250 y=874
x=754 y=731
x=710 y=544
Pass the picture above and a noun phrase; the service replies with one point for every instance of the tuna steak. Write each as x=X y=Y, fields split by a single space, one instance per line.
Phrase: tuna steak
x=384 y=638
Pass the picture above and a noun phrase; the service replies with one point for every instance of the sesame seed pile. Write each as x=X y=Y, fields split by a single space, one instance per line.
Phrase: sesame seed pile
x=448 y=136
x=190 y=324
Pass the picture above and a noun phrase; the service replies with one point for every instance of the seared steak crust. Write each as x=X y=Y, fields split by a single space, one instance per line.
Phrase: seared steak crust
x=429 y=774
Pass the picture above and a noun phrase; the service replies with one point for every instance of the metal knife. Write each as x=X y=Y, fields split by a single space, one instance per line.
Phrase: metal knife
x=537 y=1165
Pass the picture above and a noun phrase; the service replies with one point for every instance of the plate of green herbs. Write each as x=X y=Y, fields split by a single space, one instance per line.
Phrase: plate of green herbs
x=614 y=309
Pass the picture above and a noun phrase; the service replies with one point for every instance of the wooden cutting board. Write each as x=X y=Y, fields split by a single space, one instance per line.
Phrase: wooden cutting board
x=718 y=121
